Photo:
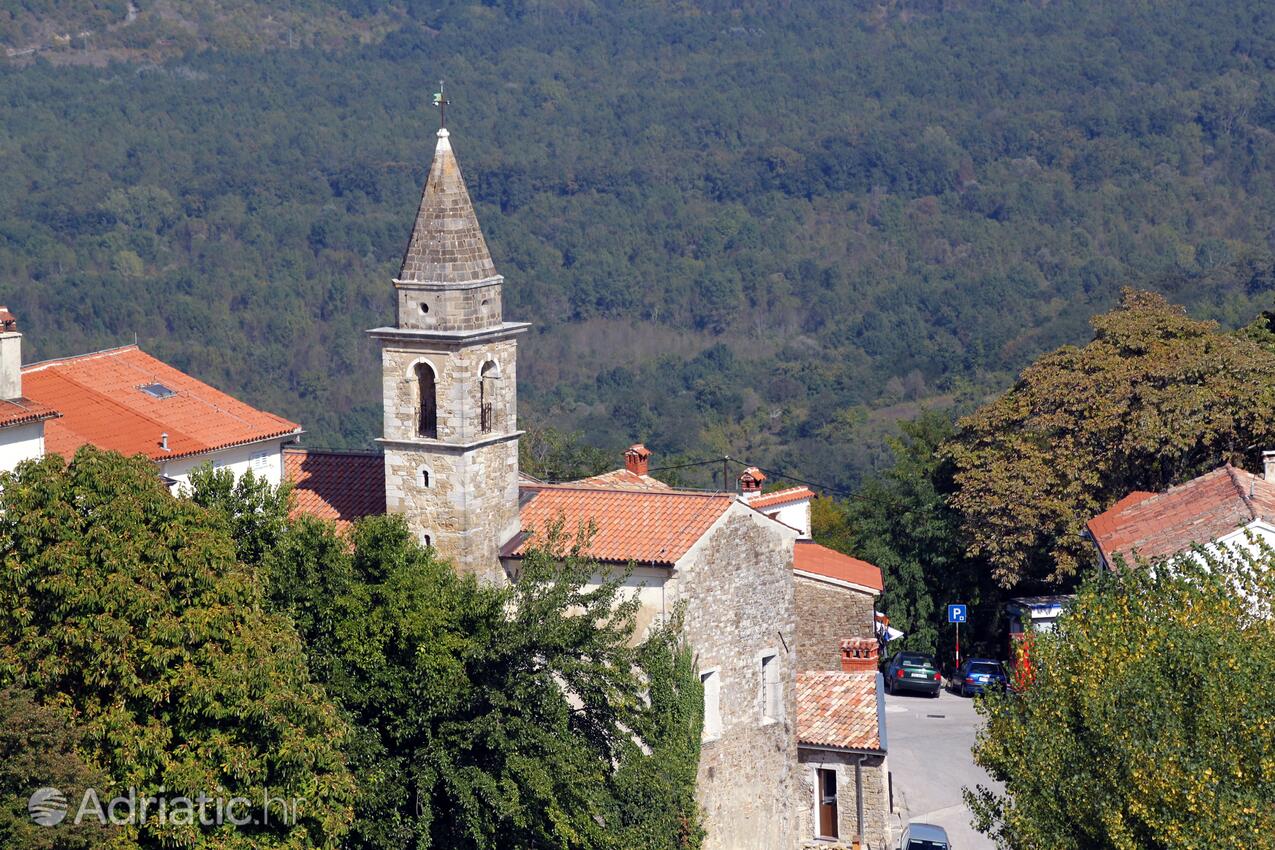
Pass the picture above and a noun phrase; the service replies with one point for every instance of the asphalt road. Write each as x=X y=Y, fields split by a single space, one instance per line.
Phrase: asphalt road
x=929 y=754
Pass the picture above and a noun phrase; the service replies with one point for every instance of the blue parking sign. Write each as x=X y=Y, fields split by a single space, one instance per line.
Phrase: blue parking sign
x=956 y=613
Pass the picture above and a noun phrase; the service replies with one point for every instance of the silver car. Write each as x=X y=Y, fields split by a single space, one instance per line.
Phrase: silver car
x=924 y=836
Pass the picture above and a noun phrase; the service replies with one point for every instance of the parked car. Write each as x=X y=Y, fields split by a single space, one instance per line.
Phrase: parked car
x=976 y=675
x=924 y=836
x=913 y=671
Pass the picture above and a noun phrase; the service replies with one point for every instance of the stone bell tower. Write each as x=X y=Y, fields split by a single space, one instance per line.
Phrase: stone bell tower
x=449 y=373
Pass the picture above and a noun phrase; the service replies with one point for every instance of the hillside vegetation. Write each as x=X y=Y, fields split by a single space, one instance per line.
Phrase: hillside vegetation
x=767 y=229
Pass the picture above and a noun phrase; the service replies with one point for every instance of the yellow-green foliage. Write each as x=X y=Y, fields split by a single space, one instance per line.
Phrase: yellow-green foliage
x=1151 y=721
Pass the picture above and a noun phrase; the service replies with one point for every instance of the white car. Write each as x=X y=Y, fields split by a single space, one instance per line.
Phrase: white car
x=924 y=836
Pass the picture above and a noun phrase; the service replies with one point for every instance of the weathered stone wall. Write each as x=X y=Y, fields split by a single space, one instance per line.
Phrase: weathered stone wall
x=434 y=307
x=826 y=615
x=470 y=505
x=874 y=774
x=738 y=588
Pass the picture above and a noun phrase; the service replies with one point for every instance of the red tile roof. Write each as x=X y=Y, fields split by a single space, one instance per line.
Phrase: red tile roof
x=810 y=557
x=620 y=479
x=781 y=497
x=24 y=411
x=645 y=526
x=102 y=403
x=337 y=486
x=1199 y=511
x=838 y=709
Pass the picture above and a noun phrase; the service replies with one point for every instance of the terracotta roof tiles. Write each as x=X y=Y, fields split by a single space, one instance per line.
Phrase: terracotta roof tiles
x=104 y=400
x=24 y=411
x=337 y=486
x=631 y=525
x=838 y=709
x=1197 y=512
x=819 y=560
x=781 y=497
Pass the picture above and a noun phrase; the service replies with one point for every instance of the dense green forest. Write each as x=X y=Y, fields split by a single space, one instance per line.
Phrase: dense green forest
x=767 y=229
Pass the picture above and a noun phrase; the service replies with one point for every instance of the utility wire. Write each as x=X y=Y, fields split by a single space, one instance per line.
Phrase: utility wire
x=771 y=472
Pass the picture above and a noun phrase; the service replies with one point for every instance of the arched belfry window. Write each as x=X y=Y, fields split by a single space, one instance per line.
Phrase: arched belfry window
x=487 y=395
x=428 y=426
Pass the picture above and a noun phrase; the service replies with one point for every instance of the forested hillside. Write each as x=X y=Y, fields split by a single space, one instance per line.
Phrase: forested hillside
x=771 y=229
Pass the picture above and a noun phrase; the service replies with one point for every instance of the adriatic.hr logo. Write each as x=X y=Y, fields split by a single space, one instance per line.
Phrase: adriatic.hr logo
x=50 y=807
x=47 y=807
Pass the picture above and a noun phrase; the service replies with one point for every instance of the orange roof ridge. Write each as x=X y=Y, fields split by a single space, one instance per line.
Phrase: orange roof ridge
x=40 y=365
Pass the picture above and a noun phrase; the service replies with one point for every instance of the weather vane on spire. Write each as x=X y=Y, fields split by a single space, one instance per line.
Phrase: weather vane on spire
x=441 y=102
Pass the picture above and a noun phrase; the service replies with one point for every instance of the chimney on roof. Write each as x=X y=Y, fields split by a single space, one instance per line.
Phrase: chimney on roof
x=750 y=481
x=163 y=441
x=859 y=655
x=1268 y=465
x=637 y=458
x=10 y=356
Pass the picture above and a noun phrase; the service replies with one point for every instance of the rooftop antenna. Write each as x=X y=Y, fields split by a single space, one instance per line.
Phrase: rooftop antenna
x=440 y=103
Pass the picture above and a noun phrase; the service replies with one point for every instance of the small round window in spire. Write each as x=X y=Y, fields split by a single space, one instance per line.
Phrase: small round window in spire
x=424 y=307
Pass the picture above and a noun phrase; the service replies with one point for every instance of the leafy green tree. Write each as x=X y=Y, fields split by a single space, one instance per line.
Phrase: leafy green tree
x=256 y=511
x=1155 y=398
x=1150 y=723
x=900 y=520
x=489 y=717
x=550 y=454
x=38 y=749
x=128 y=609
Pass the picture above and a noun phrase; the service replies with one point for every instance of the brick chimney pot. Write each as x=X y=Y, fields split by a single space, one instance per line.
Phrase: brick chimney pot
x=637 y=459
x=859 y=654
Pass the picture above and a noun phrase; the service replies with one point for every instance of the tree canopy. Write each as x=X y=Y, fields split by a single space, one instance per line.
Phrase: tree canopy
x=490 y=717
x=1156 y=397
x=1150 y=722
x=762 y=229
x=126 y=611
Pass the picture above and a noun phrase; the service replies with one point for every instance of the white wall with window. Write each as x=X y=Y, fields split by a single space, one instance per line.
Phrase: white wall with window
x=264 y=459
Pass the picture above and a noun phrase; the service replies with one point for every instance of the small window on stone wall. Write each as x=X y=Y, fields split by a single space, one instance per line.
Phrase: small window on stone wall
x=772 y=691
x=424 y=307
x=424 y=477
x=712 y=705
x=427 y=540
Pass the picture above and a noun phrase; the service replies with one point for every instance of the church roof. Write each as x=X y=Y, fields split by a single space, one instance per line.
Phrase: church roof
x=447 y=245
x=337 y=486
x=643 y=526
x=124 y=400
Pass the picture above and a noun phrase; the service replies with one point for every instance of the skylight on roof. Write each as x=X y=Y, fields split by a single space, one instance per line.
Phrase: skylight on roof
x=157 y=390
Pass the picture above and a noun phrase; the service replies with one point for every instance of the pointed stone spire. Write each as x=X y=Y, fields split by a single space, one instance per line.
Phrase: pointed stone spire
x=447 y=246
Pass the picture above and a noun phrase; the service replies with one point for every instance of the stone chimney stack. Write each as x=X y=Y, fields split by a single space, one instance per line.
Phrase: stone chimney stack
x=1268 y=465
x=750 y=481
x=859 y=655
x=10 y=356
x=637 y=459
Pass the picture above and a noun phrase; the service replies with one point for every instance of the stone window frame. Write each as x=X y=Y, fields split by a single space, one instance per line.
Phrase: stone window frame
x=714 y=673
x=425 y=477
x=413 y=378
x=484 y=402
x=760 y=665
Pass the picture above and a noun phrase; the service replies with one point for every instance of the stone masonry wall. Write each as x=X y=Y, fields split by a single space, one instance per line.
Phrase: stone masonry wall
x=451 y=308
x=876 y=799
x=738 y=591
x=470 y=506
x=826 y=615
